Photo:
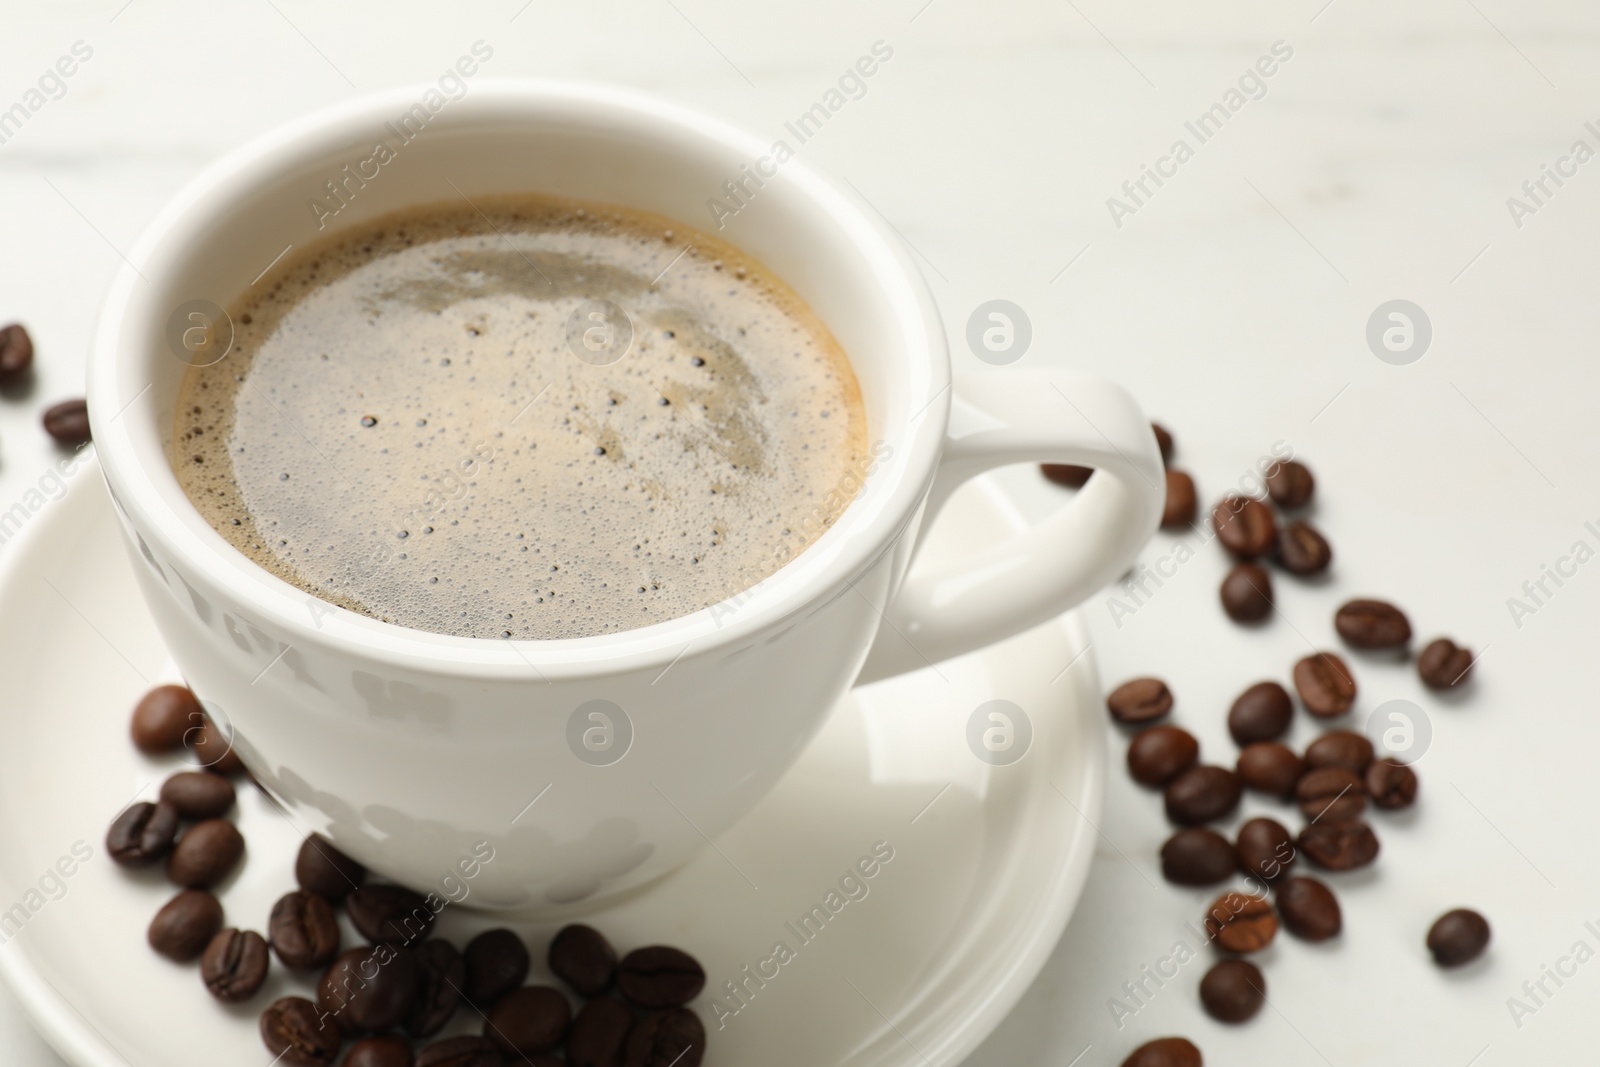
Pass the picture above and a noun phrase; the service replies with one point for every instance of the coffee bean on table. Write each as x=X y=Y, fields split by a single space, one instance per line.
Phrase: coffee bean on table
x=581 y=956
x=1260 y=713
x=68 y=421
x=599 y=1033
x=1068 y=474
x=142 y=834
x=389 y=913
x=324 y=870
x=1340 y=748
x=369 y=989
x=660 y=977
x=234 y=964
x=198 y=795
x=1391 y=784
x=1245 y=527
x=16 y=354
x=303 y=930
x=1339 y=846
x=1290 y=484
x=163 y=717
x=1372 y=624
x=1325 y=684
x=441 y=974
x=1165 y=1052
x=1458 y=937
x=205 y=854
x=292 y=1030
x=1300 y=549
x=1201 y=794
x=469 y=1051
x=528 y=1020
x=1271 y=768
x=1197 y=856
x=1161 y=753
x=1444 y=665
x=673 y=1038
x=1331 y=794
x=1247 y=593
x=497 y=962
x=386 y=1050
x=1163 y=442
x=1139 y=701
x=1233 y=991
x=1182 y=504
x=1265 y=849
x=1309 y=909
x=213 y=751
x=1239 y=922
x=185 y=925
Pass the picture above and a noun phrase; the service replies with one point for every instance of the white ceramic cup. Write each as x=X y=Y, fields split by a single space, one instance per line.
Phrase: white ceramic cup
x=595 y=764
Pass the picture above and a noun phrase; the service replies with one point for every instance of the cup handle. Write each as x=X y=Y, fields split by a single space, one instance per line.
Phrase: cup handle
x=1027 y=417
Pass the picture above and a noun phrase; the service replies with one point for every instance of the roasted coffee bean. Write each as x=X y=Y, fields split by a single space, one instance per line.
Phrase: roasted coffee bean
x=1271 y=768
x=1233 y=991
x=1239 y=922
x=1339 y=846
x=599 y=1033
x=68 y=421
x=293 y=1031
x=1163 y=442
x=1158 y=755
x=1444 y=665
x=660 y=977
x=1201 y=794
x=234 y=964
x=1331 y=794
x=528 y=1020
x=198 y=795
x=389 y=913
x=1260 y=713
x=441 y=974
x=1245 y=527
x=1309 y=909
x=1458 y=937
x=213 y=751
x=468 y=1051
x=324 y=870
x=369 y=989
x=1139 y=701
x=1197 y=856
x=303 y=930
x=163 y=717
x=1325 y=684
x=1372 y=624
x=205 y=854
x=1182 y=502
x=584 y=959
x=1165 y=1052
x=185 y=925
x=1300 y=549
x=16 y=354
x=1391 y=784
x=1340 y=748
x=1290 y=484
x=142 y=834
x=1265 y=849
x=387 y=1050
x=1068 y=474
x=1247 y=593
x=673 y=1038
x=497 y=963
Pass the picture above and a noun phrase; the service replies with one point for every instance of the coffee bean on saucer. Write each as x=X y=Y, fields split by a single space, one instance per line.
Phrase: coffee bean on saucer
x=1247 y=593
x=528 y=1020
x=16 y=354
x=1265 y=849
x=163 y=717
x=660 y=977
x=324 y=870
x=1458 y=937
x=1233 y=991
x=205 y=854
x=385 y=1050
x=1239 y=922
x=1339 y=846
x=1068 y=474
x=599 y=1033
x=1163 y=442
x=369 y=989
x=1309 y=909
x=1271 y=768
x=441 y=974
x=142 y=834
x=303 y=930
x=469 y=1051
x=1182 y=504
x=185 y=925
x=1340 y=748
x=1158 y=755
x=198 y=795
x=1391 y=784
x=1201 y=794
x=1197 y=856
x=1245 y=527
x=1139 y=701
x=1331 y=794
x=234 y=964
x=389 y=913
x=1372 y=624
x=292 y=1030
x=213 y=751
x=1165 y=1052
x=673 y=1038
x=1260 y=713
x=1444 y=665
x=581 y=956
x=1325 y=684
x=68 y=421
x=1290 y=484
x=497 y=962
x=1300 y=549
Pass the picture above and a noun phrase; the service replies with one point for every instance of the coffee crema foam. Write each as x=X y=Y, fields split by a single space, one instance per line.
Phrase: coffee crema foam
x=402 y=427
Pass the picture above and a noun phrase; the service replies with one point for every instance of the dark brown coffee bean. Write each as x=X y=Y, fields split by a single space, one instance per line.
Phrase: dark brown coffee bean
x=1245 y=527
x=1239 y=922
x=1265 y=849
x=1247 y=593
x=387 y=1050
x=441 y=974
x=1444 y=665
x=1158 y=755
x=1165 y=1052
x=1300 y=549
x=1339 y=846
x=303 y=930
x=142 y=834
x=16 y=354
x=1068 y=474
x=1197 y=856
x=673 y=1038
x=1309 y=909
x=584 y=959
x=389 y=913
x=68 y=421
x=324 y=870
x=1139 y=701
x=1391 y=784
x=1182 y=505
x=205 y=854
x=497 y=962
x=185 y=925
x=295 y=1032
x=1260 y=713
x=369 y=989
x=1372 y=624
x=198 y=795
x=1458 y=937
x=468 y=1051
x=1271 y=768
x=1340 y=748
x=1290 y=484
x=213 y=751
x=234 y=964
x=1163 y=442
x=163 y=717
x=1233 y=991
x=1325 y=684
x=528 y=1020
x=1331 y=794
x=660 y=977
x=1201 y=794
x=599 y=1033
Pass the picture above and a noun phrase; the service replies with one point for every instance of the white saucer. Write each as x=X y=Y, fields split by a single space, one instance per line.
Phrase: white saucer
x=988 y=860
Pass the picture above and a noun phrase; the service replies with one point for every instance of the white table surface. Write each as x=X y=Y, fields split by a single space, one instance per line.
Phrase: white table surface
x=1233 y=302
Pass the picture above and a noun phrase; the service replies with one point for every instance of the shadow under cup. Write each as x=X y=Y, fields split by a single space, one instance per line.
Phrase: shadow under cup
x=416 y=752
